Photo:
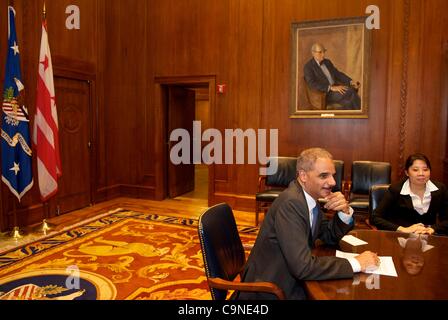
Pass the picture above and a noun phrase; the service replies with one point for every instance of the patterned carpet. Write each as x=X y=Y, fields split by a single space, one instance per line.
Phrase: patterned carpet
x=126 y=255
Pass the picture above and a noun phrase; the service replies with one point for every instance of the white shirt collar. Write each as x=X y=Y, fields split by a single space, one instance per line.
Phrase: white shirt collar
x=406 y=189
x=309 y=201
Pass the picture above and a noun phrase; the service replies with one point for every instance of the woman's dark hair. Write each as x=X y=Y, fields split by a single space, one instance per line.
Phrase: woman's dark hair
x=417 y=156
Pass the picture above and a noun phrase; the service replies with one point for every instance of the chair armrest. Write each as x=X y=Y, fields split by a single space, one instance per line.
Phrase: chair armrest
x=266 y=287
x=371 y=226
x=347 y=189
x=261 y=183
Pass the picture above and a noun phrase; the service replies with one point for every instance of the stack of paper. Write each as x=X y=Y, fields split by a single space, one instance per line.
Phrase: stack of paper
x=386 y=268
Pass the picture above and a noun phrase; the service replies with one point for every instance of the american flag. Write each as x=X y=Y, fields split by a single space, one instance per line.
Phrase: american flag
x=46 y=133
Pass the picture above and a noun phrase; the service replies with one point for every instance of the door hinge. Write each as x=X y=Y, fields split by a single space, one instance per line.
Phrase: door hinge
x=58 y=210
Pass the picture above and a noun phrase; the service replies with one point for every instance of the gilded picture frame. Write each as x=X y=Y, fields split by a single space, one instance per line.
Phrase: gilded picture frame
x=346 y=44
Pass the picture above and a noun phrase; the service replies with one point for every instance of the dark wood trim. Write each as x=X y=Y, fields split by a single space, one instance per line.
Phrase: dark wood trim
x=241 y=202
x=444 y=96
x=107 y=193
x=93 y=153
x=73 y=69
x=145 y=192
x=159 y=142
x=98 y=125
x=445 y=171
x=404 y=84
x=211 y=171
x=25 y=216
x=160 y=127
x=191 y=81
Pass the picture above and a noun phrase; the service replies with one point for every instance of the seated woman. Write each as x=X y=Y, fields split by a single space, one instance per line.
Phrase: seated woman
x=415 y=204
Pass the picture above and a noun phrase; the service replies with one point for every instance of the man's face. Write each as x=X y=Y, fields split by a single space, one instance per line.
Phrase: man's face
x=319 y=54
x=318 y=181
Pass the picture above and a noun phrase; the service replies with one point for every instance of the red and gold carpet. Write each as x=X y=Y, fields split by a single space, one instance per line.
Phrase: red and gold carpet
x=126 y=255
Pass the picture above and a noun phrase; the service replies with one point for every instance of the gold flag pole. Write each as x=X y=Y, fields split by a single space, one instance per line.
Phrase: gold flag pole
x=16 y=233
x=45 y=227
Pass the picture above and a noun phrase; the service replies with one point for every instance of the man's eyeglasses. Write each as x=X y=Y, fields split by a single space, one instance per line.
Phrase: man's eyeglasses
x=320 y=51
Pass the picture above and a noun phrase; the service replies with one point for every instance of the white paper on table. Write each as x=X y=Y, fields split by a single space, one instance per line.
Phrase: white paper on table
x=353 y=240
x=386 y=268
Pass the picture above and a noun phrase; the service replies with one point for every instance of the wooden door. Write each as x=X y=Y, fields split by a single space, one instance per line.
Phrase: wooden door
x=181 y=114
x=74 y=113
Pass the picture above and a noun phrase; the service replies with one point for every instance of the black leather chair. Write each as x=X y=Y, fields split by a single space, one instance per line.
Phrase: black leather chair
x=365 y=174
x=376 y=194
x=224 y=256
x=270 y=187
x=339 y=176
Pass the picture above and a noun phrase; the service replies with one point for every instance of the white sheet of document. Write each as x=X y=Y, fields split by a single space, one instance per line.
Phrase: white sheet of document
x=353 y=240
x=386 y=268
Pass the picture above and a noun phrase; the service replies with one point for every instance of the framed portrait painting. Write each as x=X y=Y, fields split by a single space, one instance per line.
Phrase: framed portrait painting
x=330 y=62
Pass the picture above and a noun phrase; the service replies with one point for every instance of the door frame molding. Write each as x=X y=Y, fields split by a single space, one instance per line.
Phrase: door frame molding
x=160 y=119
x=85 y=72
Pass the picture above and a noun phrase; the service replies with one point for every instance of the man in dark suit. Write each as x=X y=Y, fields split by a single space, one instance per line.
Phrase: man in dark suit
x=321 y=75
x=282 y=251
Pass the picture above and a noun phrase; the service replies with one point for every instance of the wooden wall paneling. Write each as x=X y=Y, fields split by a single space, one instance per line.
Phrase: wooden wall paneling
x=125 y=77
x=433 y=133
x=113 y=92
x=77 y=44
x=345 y=138
x=249 y=72
x=194 y=41
x=75 y=118
x=241 y=104
x=410 y=137
x=396 y=86
x=421 y=33
x=444 y=85
x=99 y=137
x=212 y=123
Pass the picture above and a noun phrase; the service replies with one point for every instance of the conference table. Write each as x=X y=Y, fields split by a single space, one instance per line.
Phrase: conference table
x=422 y=274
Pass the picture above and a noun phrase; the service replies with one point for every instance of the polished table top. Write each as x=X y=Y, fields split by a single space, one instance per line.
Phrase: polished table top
x=421 y=275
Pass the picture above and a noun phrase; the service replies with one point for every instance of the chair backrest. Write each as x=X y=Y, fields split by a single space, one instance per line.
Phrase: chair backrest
x=221 y=246
x=339 y=175
x=376 y=194
x=286 y=172
x=368 y=173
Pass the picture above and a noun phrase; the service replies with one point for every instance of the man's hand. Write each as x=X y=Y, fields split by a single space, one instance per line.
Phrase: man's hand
x=337 y=202
x=368 y=261
x=340 y=89
x=355 y=84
